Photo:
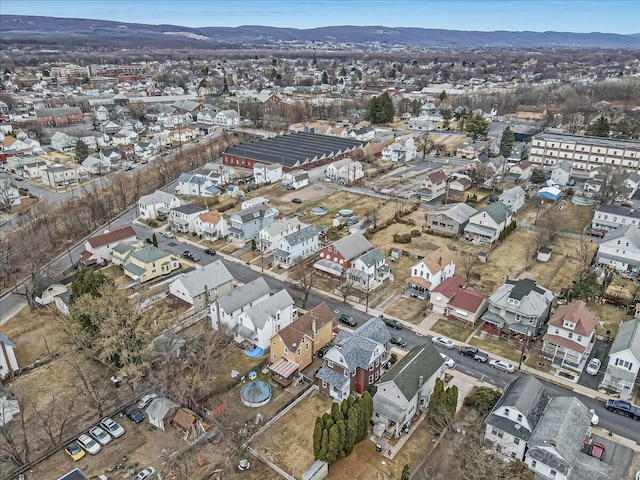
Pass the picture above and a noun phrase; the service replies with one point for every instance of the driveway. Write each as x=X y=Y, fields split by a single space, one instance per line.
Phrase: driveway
x=600 y=350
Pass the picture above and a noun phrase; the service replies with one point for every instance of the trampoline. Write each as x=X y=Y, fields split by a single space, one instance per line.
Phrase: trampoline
x=255 y=394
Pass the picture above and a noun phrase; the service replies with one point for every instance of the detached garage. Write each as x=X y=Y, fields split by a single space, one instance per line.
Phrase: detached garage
x=550 y=193
x=160 y=411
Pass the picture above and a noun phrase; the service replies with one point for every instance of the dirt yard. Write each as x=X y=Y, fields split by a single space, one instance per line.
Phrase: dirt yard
x=574 y=218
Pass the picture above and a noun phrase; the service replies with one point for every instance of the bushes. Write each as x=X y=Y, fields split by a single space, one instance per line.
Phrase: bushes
x=402 y=237
x=483 y=399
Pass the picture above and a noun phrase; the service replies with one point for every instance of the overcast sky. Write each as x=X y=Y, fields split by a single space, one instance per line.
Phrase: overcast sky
x=611 y=16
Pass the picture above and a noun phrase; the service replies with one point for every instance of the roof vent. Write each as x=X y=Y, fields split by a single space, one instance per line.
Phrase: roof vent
x=517 y=426
x=553 y=442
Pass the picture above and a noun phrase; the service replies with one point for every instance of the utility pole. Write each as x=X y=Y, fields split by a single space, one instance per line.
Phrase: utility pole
x=525 y=343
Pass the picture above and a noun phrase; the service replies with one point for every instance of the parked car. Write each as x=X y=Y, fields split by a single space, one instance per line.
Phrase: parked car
x=502 y=365
x=209 y=251
x=144 y=474
x=112 y=427
x=468 y=351
x=347 y=320
x=323 y=350
x=89 y=444
x=595 y=419
x=168 y=234
x=596 y=233
x=191 y=256
x=18 y=179
x=481 y=357
x=390 y=322
x=133 y=414
x=146 y=400
x=100 y=435
x=398 y=340
x=74 y=451
x=597 y=450
x=448 y=360
x=23 y=189
x=594 y=366
x=443 y=342
x=296 y=200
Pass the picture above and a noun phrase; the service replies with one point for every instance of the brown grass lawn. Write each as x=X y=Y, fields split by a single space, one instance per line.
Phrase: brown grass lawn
x=610 y=317
x=421 y=245
x=534 y=358
x=408 y=309
x=453 y=329
x=498 y=346
x=574 y=218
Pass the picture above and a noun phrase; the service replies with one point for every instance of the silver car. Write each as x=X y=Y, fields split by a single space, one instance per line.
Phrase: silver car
x=112 y=427
x=443 y=342
x=100 y=435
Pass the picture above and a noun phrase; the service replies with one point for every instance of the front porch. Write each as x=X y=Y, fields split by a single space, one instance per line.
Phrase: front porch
x=417 y=287
x=492 y=323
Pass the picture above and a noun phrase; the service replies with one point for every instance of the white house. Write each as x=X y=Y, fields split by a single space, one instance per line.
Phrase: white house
x=620 y=249
x=484 y=227
x=96 y=166
x=570 y=335
x=183 y=218
x=304 y=243
x=8 y=362
x=433 y=185
x=561 y=172
x=610 y=217
x=369 y=270
x=59 y=176
x=295 y=180
x=157 y=205
x=345 y=171
x=267 y=173
x=402 y=149
x=269 y=236
x=624 y=360
x=202 y=286
x=211 y=225
x=513 y=198
x=159 y=410
x=227 y=118
x=98 y=249
x=196 y=186
x=429 y=272
x=62 y=142
x=9 y=406
x=9 y=194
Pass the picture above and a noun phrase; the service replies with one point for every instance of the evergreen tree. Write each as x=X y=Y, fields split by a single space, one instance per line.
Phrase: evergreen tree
x=380 y=109
x=325 y=78
x=317 y=437
x=342 y=440
x=506 y=143
x=477 y=126
x=88 y=281
x=538 y=176
x=351 y=436
x=324 y=446
x=154 y=240
x=82 y=151
x=442 y=96
x=333 y=446
x=599 y=128
x=406 y=473
x=336 y=412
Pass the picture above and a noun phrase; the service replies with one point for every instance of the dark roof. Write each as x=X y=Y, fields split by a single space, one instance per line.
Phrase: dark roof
x=190 y=209
x=74 y=474
x=293 y=334
x=522 y=288
x=619 y=210
x=422 y=361
x=293 y=149
x=301 y=235
x=112 y=236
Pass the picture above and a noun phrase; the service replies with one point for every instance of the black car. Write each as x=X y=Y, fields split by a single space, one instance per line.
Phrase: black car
x=390 y=322
x=468 y=351
x=324 y=350
x=191 y=256
x=296 y=200
x=133 y=414
x=398 y=340
x=347 y=320
x=149 y=240
x=209 y=251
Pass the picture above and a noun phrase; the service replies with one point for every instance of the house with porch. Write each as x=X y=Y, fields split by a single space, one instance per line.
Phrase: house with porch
x=202 y=286
x=294 y=180
x=302 y=243
x=520 y=172
x=211 y=225
x=433 y=185
x=8 y=362
x=429 y=272
x=270 y=236
x=369 y=270
x=336 y=258
x=455 y=300
x=519 y=308
x=246 y=224
x=227 y=118
x=570 y=335
x=620 y=250
x=196 y=186
x=142 y=264
x=183 y=218
x=61 y=142
x=513 y=198
x=345 y=171
x=58 y=176
x=402 y=149
x=624 y=360
x=157 y=205
x=449 y=219
x=357 y=360
x=560 y=173
x=404 y=391
x=293 y=347
x=96 y=166
x=485 y=227
x=98 y=249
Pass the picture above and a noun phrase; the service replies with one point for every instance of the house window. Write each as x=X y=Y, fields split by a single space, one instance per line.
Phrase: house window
x=506 y=412
x=579 y=338
x=286 y=350
x=494 y=431
x=500 y=434
x=329 y=364
x=516 y=440
x=299 y=352
x=370 y=378
x=274 y=355
x=533 y=463
x=557 y=331
x=552 y=474
x=519 y=417
x=324 y=384
x=570 y=335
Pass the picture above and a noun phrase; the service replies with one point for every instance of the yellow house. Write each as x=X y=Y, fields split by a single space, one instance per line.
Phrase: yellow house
x=145 y=263
x=293 y=347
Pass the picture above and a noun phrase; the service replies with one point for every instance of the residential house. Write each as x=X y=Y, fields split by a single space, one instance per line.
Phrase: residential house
x=632 y=183
x=253 y=313
x=59 y=176
x=610 y=217
x=560 y=173
x=471 y=150
x=620 y=249
x=345 y=171
x=518 y=154
x=519 y=308
x=9 y=406
x=624 y=360
x=8 y=362
x=267 y=173
x=554 y=449
x=570 y=335
x=9 y=194
x=450 y=219
x=520 y=172
x=511 y=423
x=112 y=155
x=211 y=225
x=56 y=117
x=336 y=258
x=160 y=411
x=34 y=170
x=513 y=198
x=369 y=270
x=365 y=134
x=202 y=286
x=293 y=347
x=227 y=118
x=197 y=186
x=429 y=272
x=246 y=224
x=434 y=185
x=485 y=227
x=143 y=264
x=453 y=299
x=460 y=184
x=531 y=112
x=402 y=149
x=404 y=391
x=207 y=115
x=294 y=180
x=157 y=205
x=62 y=142
x=302 y=243
x=183 y=218
x=96 y=166
x=356 y=361
x=13 y=146
x=269 y=236
x=98 y=249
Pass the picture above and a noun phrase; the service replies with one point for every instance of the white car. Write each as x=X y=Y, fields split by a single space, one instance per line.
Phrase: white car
x=594 y=366
x=146 y=473
x=168 y=234
x=89 y=444
x=443 y=342
x=448 y=361
x=100 y=435
x=502 y=365
x=112 y=427
x=146 y=400
x=595 y=419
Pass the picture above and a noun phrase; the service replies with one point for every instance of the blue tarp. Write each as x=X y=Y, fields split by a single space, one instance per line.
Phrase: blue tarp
x=255 y=353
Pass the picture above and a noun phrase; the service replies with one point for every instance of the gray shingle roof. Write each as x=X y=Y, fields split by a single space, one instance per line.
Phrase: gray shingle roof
x=459 y=212
x=628 y=337
x=244 y=295
x=534 y=299
x=269 y=307
x=422 y=361
x=618 y=210
x=149 y=254
x=357 y=347
x=209 y=276
x=301 y=235
x=332 y=377
x=352 y=246
x=280 y=226
x=630 y=232
x=156 y=197
x=372 y=258
x=189 y=209
x=498 y=211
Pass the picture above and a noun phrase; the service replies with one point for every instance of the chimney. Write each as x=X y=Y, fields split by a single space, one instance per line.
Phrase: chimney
x=313 y=323
x=420 y=381
x=440 y=261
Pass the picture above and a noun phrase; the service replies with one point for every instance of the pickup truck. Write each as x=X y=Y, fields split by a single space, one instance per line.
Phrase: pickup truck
x=623 y=408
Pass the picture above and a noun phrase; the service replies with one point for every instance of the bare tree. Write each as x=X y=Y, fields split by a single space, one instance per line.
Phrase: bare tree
x=373 y=214
x=7 y=196
x=303 y=274
x=613 y=184
x=584 y=256
x=468 y=262
x=14 y=444
x=96 y=389
x=54 y=419
x=346 y=286
x=550 y=225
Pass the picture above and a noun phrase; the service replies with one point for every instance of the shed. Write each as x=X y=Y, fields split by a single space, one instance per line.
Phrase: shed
x=483 y=257
x=550 y=193
x=544 y=254
x=158 y=411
